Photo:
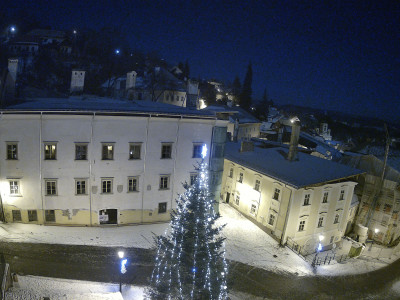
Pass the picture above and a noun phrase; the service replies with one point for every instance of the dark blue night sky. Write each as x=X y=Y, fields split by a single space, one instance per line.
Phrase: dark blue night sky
x=340 y=55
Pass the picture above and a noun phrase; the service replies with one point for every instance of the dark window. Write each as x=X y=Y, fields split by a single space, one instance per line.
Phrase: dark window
x=231 y=173
x=106 y=186
x=301 y=225
x=51 y=187
x=16 y=214
x=50 y=151
x=81 y=187
x=193 y=178
x=164 y=182
x=12 y=151
x=276 y=194
x=307 y=199
x=341 y=197
x=81 y=152
x=50 y=215
x=320 y=221
x=162 y=207
x=107 y=152
x=336 y=219
x=271 y=220
x=240 y=177
x=166 y=150
x=32 y=215
x=257 y=185
x=134 y=151
x=132 y=184
x=325 y=198
x=197 y=151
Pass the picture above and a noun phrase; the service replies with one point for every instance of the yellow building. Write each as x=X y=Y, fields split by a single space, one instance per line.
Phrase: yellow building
x=296 y=200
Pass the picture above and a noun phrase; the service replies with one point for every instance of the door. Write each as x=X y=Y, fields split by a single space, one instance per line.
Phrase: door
x=108 y=216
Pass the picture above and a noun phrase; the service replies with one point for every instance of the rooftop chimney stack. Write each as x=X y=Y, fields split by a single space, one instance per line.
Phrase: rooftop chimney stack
x=294 y=139
x=77 y=81
x=131 y=80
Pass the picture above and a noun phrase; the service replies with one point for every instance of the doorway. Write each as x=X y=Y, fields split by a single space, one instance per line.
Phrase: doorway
x=108 y=216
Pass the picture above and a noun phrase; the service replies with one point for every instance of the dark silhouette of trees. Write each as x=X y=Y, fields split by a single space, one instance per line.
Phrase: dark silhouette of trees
x=245 y=96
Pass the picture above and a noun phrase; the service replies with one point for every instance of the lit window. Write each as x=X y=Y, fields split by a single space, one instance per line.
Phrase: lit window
x=307 y=199
x=80 y=152
x=336 y=219
x=14 y=187
x=107 y=152
x=237 y=200
x=134 y=151
x=320 y=221
x=50 y=151
x=271 y=220
x=341 y=197
x=301 y=225
x=51 y=187
x=166 y=150
x=80 y=185
x=253 y=209
x=240 y=177
x=106 y=185
x=164 y=182
x=257 y=185
x=12 y=151
x=197 y=148
x=132 y=184
x=325 y=197
x=162 y=207
x=193 y=178
x=276 y=194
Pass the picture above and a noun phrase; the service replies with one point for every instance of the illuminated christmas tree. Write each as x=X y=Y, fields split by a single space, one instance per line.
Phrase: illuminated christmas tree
x=190 y=261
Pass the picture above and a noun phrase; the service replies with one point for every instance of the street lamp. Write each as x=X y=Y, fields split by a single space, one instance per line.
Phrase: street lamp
x=319 y=249
x=121 y=255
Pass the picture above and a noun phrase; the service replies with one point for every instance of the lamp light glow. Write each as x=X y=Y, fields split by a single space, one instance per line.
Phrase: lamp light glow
x=204 y=151
x=121 y=254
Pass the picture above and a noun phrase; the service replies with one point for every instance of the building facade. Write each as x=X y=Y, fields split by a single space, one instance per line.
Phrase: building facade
x=295 y=201
x=96 y=167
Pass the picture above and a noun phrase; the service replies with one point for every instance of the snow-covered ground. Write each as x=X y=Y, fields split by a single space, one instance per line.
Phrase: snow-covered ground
x=245 y=242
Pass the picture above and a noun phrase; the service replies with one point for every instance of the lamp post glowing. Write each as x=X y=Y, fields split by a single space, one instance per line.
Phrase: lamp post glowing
x=121 y=255
x=319 y=249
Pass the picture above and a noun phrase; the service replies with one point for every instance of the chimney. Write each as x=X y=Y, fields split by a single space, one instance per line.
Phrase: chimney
x=77 y=81
x=294 y=139
x=246 y=146
x=131 y=80
x=13 y=68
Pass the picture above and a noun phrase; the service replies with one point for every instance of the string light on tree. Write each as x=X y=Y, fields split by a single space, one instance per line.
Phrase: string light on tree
x=190 y=261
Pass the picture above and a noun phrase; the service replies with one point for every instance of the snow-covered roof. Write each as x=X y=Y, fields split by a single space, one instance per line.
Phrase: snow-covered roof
x=306 y=171
x=240 y=114
x=105 y=105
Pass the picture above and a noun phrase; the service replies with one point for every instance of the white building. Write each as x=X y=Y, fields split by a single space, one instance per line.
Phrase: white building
x=92 y=161
x=296 y=200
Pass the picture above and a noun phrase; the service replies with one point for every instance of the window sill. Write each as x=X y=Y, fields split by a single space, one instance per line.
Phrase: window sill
x=15 y=195
x=166 y=158
x=161 y=213
x=106 y=193
x=107 y=159
x=80 y=159
x=50 y=159
x=51 y=195
x=132 y=192
x=81 y=194
x=12 y=159
x=164 y=189
x=306 y=204
x=134 y=159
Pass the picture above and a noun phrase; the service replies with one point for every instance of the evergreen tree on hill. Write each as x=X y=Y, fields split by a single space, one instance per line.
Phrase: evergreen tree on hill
x=245 y=96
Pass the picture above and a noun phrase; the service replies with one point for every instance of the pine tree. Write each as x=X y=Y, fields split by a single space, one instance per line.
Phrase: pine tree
x=236 y=89
x=190 y=262
x=245 y=96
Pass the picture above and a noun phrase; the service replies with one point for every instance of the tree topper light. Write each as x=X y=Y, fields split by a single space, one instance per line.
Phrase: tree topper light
x=204 y=151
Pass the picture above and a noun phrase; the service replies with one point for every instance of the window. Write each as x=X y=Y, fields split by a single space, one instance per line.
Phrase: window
x=14 y=187
x=106 y=185
x=231 y=173
x=301 y=225
x=240 y=177
x=193 y=178
x=50 y=151
x=276 y=194
x=336 y=219
x=197 y=148
x=257 y=185
x=166 y=150
x=325 y=197
x=107 y=152
x=80 y=152
x=253 y=209
x=134 y=151
x=80 y=185
x=271 y=220
x=12 y=151
x=307 y=199
x=237 y=200
x=51 y=187
x=32 y=215
x=341 y=197
x=16 y=214
x=332 y=238
x=320 y=221
x=162 y=207
x=50 y=215
x=218 y=151
x=132 y=184
x=164 y=182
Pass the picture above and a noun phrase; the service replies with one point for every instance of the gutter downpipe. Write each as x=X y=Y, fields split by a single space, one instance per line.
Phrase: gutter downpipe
x=144 y=165
x=40 y=165
x=90 y=170
x=176 y=152
x=283 y=237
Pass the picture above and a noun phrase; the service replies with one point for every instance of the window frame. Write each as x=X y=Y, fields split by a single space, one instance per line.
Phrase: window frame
x=50 y=154
x=320 y=222
x=253 y=212
x=165 y=154
x=271 y=218
x=240 y=178
x=49 y=181
x=306 y=200
x=15 y=212
x=136 y=185
x=47 y=213
x=325 y=199
x=30 y=213
x=86 y=151
x=257 y=187
x=132 y=155
x=105 y=155
x=197 y=150
x=18 y=185
x=161 y=186
x=230 y=173
x=275 y=193
x=13 y=152
x=341 y=195
x=106 y=179
x=336 y=220
x=162 y=207
x=237 y=199
x=193 y=178
x=85 y=192
x=302 y=225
